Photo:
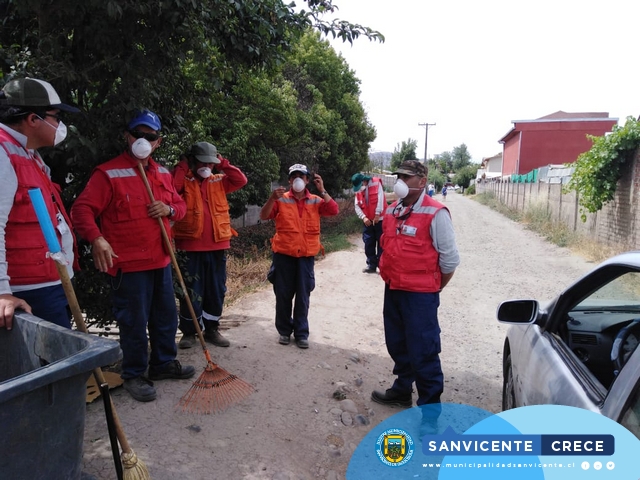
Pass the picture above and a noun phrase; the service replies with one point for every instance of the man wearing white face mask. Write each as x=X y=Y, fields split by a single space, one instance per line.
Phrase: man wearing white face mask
x=204 y=234
x=114 y=213
x=419 y=258
x=29 y=119
x=296 y=243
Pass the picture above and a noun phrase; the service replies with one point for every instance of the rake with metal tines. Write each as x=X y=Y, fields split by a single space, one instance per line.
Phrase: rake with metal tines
x=215 y=389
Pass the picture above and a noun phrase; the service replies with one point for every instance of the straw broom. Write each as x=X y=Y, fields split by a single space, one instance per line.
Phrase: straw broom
x=134 y=468
x=215 y=389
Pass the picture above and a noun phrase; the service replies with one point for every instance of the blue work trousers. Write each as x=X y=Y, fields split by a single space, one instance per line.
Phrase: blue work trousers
x=205 y=276
x=144 y=300
x=412 y=334
x=293 y=277
x=48 y=303
x=372 y=249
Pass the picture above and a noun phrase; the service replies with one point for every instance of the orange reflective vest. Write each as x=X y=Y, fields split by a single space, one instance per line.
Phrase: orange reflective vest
x=409 y=260
x=369 y=209
x=297 y=236
x=191 y=226
x=26 y=248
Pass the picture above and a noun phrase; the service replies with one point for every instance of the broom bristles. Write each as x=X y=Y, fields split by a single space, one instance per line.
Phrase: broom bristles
x=134 y=468
x=214 y=391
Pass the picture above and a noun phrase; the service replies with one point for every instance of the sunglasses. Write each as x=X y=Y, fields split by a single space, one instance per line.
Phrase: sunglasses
x=150 y=137
x=54 y=115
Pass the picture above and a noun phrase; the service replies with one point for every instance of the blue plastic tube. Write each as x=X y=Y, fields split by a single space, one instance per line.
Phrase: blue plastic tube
x=44 y=220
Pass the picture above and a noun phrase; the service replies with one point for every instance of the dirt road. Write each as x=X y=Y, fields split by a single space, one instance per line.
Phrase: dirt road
x=292 y=427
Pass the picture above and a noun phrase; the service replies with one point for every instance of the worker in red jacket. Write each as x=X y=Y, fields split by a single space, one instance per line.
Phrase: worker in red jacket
x=370 y=202
x=115 y=214
x=204 y=234
x=30 y=112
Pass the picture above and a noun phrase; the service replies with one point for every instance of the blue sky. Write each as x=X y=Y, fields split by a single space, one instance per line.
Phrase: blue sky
x=472 y=67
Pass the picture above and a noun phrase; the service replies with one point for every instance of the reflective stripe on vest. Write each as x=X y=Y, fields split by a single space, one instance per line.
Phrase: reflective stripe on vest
x=409 y=260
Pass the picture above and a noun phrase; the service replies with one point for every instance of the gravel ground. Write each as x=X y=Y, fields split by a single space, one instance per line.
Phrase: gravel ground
x=311 y=408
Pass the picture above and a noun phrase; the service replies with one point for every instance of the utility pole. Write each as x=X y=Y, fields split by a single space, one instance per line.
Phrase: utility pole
x=426 y=136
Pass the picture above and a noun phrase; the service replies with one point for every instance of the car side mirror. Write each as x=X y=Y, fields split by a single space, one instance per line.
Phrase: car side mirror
x=518 y=311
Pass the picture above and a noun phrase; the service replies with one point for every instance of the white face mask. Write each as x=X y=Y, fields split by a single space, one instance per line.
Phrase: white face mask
x=204 y=172
x=401 y=189
x=61 y=131
x=141 y=148
x=298 y=185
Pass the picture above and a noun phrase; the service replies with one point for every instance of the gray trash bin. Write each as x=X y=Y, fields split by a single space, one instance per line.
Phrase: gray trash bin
x=43 y=373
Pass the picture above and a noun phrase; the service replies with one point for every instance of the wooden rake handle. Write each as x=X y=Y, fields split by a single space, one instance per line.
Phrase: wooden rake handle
x=78 y=318
x=176 y=267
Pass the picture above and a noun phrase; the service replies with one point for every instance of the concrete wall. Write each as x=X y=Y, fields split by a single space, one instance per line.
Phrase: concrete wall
x=617 y=224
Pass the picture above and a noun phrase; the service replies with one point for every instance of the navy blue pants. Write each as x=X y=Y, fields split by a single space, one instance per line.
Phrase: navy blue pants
x=412 y=334
x=144 y=300
x=205 y=276
x=372 y=249
x=48 y=303
x=293 y=277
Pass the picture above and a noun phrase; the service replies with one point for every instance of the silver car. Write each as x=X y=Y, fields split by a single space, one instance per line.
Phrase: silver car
x=580 y=349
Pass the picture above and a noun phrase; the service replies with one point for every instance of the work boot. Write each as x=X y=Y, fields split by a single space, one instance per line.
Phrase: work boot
x=171 y=370
x=284 y=340
x=369 y=270
x=187 y=341
x=392 y=398
x=302 y=343
x=140 y=389
x=215 y=337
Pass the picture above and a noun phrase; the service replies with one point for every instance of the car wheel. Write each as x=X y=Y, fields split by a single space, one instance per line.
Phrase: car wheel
x=508 y=388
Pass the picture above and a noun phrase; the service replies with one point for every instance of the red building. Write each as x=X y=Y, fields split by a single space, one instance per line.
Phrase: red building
x=554 y=139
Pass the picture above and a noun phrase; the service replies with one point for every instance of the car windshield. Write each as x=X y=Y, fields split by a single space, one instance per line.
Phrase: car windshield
x=621 y=294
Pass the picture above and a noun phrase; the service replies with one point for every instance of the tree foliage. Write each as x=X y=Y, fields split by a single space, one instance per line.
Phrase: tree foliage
x=404 y=151
x=443 y=162
x=437 y=178
x=245 y=75
x=598 y=170
x=465 y=174
x=460 y=157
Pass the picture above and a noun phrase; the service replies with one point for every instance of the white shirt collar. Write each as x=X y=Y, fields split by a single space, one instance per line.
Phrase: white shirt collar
x=22 y=139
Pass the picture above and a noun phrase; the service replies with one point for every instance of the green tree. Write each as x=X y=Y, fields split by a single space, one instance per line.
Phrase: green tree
x=464 y=175
x=444 y=162
x=210 y=69
x=404 y=151
x=334 y=134
x=460 y=157
x=111 y=58
x=437 y=178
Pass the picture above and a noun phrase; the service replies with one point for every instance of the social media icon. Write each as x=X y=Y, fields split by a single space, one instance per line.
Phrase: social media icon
x=611 y=465
x=597 y=465
x=585 y=465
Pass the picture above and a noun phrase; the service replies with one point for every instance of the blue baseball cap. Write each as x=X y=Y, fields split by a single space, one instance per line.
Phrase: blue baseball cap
x=146 y=118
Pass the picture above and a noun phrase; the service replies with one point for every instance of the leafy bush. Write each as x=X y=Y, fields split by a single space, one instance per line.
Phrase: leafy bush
x=598 y=170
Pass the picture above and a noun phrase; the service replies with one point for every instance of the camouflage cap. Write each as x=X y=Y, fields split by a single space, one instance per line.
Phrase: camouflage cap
x=412 y=167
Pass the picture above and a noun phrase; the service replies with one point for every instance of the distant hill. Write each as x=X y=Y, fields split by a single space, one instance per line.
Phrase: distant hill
x=381 y=160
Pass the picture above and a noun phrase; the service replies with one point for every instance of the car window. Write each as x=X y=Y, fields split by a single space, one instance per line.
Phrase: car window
x=603 y=329
x=631 y=418
x=623 y=291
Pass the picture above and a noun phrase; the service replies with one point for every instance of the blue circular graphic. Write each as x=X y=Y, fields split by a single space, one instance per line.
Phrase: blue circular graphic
x=455 y=442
